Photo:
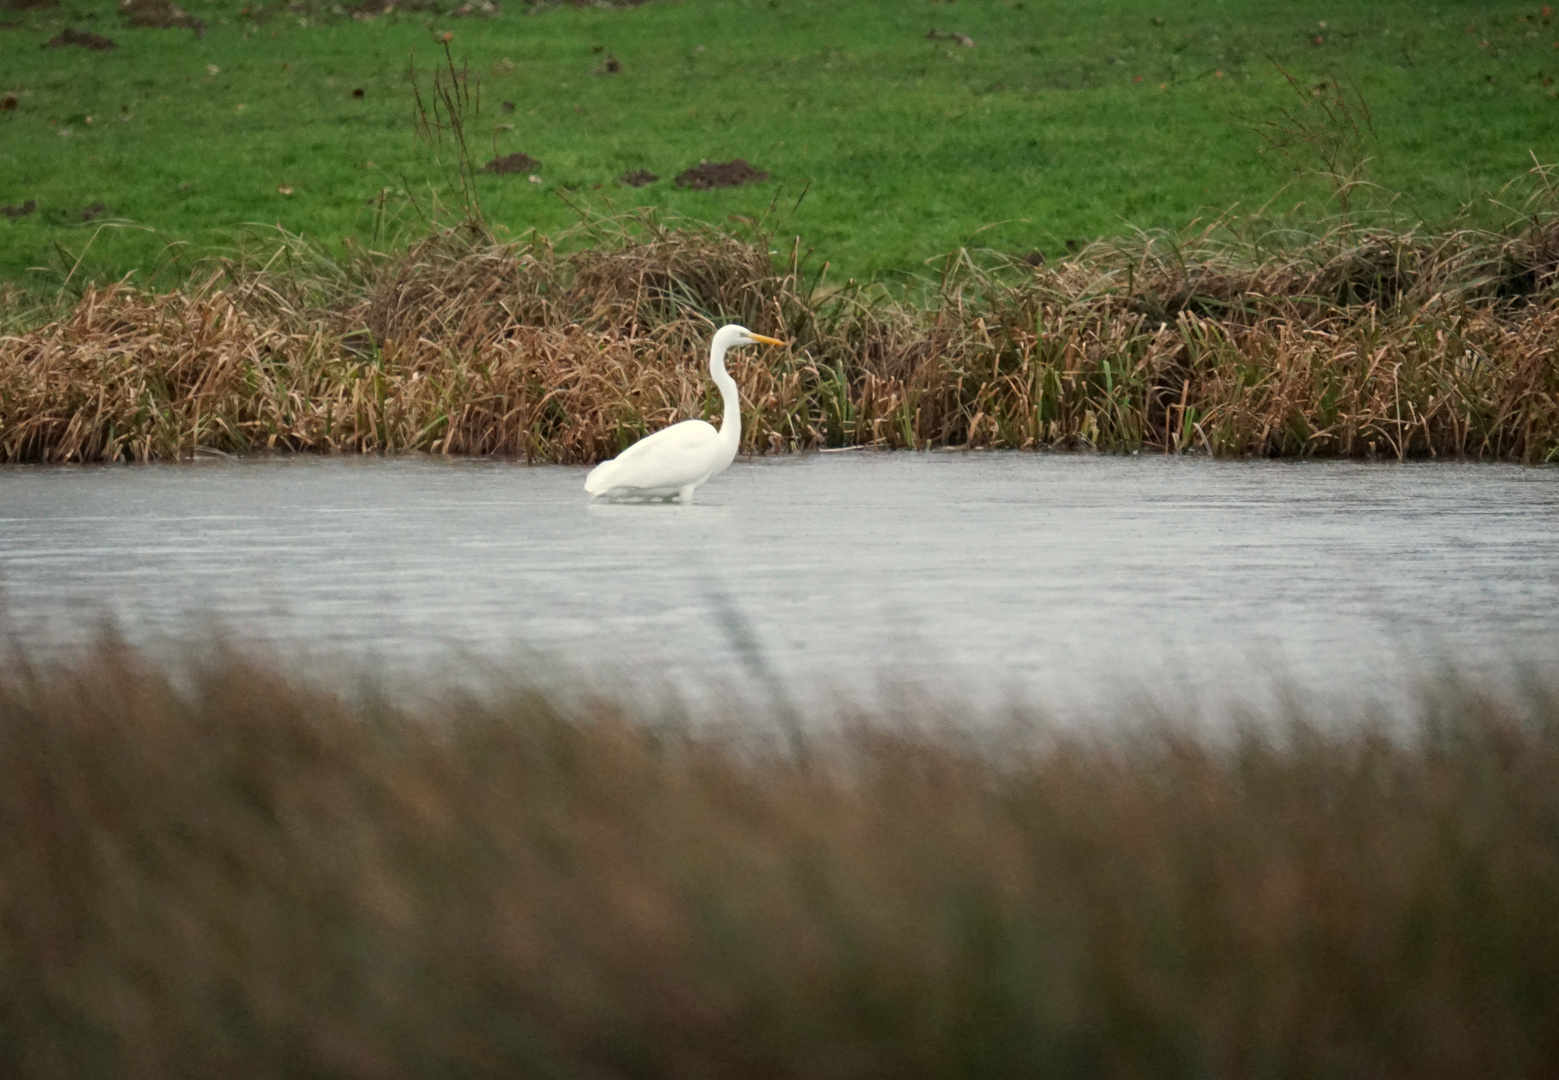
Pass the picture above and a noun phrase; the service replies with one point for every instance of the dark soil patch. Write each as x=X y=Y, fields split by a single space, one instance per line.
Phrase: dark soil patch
x=637 y=178
x=610 y=66
x=718 y=174
x=8 y=103
x=159 y=15
x=513 y=163
x=96 y=210
x=963 y=39
x=27 y=5
x=531 y=4
x=14 y=212
x=369 y=8
x=84 y=39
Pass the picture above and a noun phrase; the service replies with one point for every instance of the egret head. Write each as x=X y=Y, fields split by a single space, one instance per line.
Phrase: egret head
x=733 y=335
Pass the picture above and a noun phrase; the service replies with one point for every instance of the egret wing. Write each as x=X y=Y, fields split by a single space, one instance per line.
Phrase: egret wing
x=667 y=460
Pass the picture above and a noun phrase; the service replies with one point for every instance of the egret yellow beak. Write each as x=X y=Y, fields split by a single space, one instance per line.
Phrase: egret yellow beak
x=760 y=339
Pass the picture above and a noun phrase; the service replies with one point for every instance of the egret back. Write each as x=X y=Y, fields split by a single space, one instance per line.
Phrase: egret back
x=668 y=460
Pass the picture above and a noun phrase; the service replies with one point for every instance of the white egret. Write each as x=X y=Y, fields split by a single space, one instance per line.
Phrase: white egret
x=674 y=461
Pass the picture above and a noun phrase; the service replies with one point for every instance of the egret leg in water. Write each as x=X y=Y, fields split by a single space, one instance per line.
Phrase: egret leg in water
x=675 y=461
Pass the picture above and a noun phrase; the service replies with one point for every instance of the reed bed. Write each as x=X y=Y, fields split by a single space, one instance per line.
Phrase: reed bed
x=1354 y=342
x=224 y=869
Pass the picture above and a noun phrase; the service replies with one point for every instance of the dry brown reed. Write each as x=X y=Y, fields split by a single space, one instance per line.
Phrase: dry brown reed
x=235 y=873
x=1355 y=342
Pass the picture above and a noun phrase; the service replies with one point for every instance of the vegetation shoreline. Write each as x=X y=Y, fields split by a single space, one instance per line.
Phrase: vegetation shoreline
x=1232 y=339
x=220 y=867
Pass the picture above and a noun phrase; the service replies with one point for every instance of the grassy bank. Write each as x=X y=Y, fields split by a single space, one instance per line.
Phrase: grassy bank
x=1239 y=338
x=555 y=327
x=235 y=872
x=1060 y=122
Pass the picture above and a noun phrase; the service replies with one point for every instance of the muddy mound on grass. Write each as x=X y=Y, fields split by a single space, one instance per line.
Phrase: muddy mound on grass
x=369 y=8
x=513 y=163
x=533 y=4
x=159 y=15
x=83 y=39
x=719 y=174
x=27 y=5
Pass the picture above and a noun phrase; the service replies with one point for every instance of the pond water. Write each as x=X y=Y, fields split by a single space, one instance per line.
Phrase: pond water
x=1067 y=580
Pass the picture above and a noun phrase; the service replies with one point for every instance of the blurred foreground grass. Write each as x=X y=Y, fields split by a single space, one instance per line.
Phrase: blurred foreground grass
x=228 y=870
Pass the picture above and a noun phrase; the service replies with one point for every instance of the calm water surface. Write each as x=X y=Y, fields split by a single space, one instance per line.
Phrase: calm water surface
x=1071 y=580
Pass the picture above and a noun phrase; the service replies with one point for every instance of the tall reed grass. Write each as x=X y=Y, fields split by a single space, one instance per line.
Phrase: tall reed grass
x=1234 y=339
x=228 y=871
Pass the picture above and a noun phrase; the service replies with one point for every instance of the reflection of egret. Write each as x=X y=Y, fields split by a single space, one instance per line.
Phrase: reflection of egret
x=674 y=461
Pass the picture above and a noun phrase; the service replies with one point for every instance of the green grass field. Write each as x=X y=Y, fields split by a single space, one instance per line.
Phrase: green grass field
x=1061 y=122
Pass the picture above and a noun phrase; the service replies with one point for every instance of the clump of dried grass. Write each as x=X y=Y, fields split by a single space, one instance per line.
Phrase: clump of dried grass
x=230 y=871
x=1355 y=342
x=1230 y=266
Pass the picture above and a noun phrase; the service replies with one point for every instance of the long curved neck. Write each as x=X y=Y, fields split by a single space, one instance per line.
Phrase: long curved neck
x=731 y=418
